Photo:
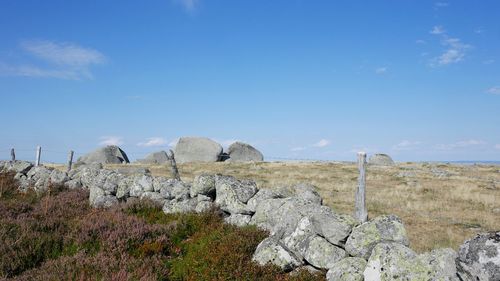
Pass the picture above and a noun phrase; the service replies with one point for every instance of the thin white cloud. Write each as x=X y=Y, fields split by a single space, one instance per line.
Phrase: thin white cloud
x=381 y=70
x=441 y=5
x=494 y=90
x=455 y=49
x=460 y=144
x=497 y=146
x=60 y=60
x=151 y=142
x=488 y=61
x=322 y=143
x=420 y=41
x=189 y=5
x=406 y=145
x=437 y=30
x=111 y=140
x=298 y=148
x=63 y=53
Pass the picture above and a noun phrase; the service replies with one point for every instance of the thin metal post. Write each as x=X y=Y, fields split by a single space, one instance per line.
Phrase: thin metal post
x=70 y=160
x=12 y=155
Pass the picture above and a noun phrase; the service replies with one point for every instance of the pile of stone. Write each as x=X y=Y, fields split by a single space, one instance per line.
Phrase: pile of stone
x=304 y=234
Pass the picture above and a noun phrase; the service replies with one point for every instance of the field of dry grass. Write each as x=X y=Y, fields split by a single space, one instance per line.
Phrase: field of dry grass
x=441 y=205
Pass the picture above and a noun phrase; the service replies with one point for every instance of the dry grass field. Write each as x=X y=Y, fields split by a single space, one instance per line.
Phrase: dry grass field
x=441 y=204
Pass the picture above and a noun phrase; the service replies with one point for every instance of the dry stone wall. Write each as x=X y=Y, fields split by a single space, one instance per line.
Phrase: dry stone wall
x=303 y=232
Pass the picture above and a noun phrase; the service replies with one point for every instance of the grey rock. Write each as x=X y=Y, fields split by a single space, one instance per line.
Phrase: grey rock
x=238 y=219
x=110 y=154
x=183 y=206
x=99 y=199
x=348 y=269
x=17 y=166
x=132 y=170
x=154 y=197
x=380 y=160
x=202 y=198
x=381 y=229
x=242 y=152
x=308 y=192
x=479 y=258
x=140 y=185
x=180 y=190
x=311 y=269
x=272 y=251
x=321 y=254
x=155 y=158
x=261 y=195
x=203 y=184
x=124 y=186
x=195 y=149
x=159 y=182
x=73 y=184
x=281 y=216
x=298 y=240
x=204 y=206
x=58 y=177
x=393 y=261
x=232 y=194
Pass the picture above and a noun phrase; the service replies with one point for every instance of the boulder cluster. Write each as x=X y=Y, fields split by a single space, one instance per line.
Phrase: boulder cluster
x=304 y=233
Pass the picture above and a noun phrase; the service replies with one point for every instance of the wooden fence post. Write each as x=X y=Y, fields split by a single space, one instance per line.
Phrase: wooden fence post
x=361 y=212
x=173 y=164
x=12 y=155
x=38 y=155
x=70 y=160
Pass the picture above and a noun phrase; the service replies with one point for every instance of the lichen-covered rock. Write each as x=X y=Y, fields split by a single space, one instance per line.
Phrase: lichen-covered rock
x=153 y=196
x=195 y=149
x=348 y=269
x=16 y=166
x=272 y=251
x=203 y=184
x=99 y=199
x=393 y=261
x=261 y=195
x=124 y=186
x=238 y=219
x=204 y=206
x=308 y=192
x=58 y=177
x=298 y=240
x=232 y=194
x=281 y=216
x=140 y=185
x=180 y=206
x=73 y=184
x=155 y=158
x=381 y=229
x=242 y=152
x=322 y=254
x=110 y=154
x=308 y=268
x=479 y=258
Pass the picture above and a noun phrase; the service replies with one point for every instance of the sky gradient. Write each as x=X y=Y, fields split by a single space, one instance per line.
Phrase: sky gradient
x=419 y=80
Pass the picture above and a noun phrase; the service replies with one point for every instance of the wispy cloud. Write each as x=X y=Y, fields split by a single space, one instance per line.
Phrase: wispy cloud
x=61 y=60
x=488 y=61
x=460 y=144
x=494 y=90
x=406 y=145
x=189 y=5
x=441 y=4
x=436 y=30
x=111 y=140
x=381 y=70
x=298 y=148
x=322 y=143
x=497 y=146
x=420 y=41
x=455 y=49
x=151 y=142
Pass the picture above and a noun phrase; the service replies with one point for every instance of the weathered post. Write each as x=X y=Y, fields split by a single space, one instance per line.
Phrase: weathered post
x=173 y=166
x=38 y=155
x=361 y=212
x=70 y=160
x=12 y=155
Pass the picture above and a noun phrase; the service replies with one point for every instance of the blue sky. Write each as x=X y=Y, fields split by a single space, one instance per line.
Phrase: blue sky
x=419 y=80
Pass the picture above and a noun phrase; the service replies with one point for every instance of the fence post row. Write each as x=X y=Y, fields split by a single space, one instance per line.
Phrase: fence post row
x=12 y=155
x=70 y=160
x=38 y=155
x=361 y=212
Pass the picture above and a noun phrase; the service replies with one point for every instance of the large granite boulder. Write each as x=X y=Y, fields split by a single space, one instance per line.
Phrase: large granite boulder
x=242 y=152
x=110 y=154
x=155 y=158
x=381 y=160
x=194 y=149
x=381 y=229
x=393 y=261
x=479 y=258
